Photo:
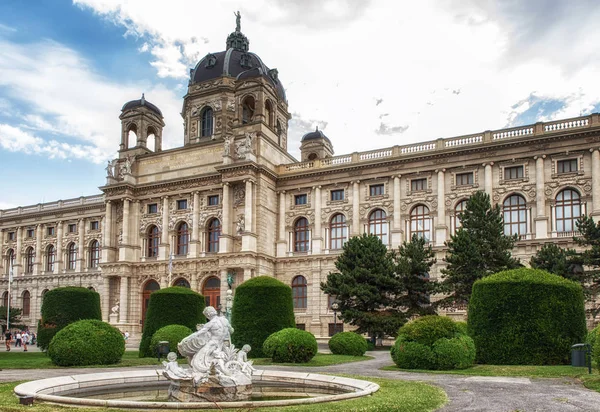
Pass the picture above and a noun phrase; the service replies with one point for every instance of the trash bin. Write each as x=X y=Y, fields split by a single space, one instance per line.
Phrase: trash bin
x=581 y=355
x=162 y=348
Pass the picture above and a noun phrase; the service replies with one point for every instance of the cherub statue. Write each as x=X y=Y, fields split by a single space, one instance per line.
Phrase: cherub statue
x=242 y=358
x=172 y=369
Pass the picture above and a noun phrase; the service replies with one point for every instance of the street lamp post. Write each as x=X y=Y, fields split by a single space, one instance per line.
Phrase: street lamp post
x=334 y=306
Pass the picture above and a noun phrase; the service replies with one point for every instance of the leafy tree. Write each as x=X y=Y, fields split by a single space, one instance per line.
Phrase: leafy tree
x=412 y=264
x=368 y=291
x=588 y=258
x=478 y=249
x=554 y=259
x=15 y=318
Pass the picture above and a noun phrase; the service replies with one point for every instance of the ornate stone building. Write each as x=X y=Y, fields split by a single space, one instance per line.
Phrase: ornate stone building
x=232 y=201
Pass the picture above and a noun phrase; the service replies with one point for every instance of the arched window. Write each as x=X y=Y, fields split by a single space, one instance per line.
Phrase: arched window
x=338 y=231
x=152 y=241
x=212 y=292
x=182 y=239
x=206 y=122
x=150 y=287
x=378 y=225
x=514 y=211
x=50 y=258
x=420 y=223
x=26 y=303
x=460 y=208
x=151 y=138
x=568 y=210
x=10 y=260
x=91 y=288
x=5 y=299
x=132 y=135
x=269 y=113
x=182 y=282
x=94 y=252
x=301 y=235
x=299 y=289
x=247 y=109
x=214 y=233
x=71 y=256
x=29 y=260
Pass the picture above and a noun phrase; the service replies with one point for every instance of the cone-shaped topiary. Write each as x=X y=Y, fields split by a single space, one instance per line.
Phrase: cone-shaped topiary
x=87 y=342
x=62 y=306
x=347 y=343
x=171 y=306
x=526 y=317
x=262 y=305
x=172 y=334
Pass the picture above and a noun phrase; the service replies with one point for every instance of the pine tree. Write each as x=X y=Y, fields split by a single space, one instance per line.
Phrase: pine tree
x=413 y=261
x=586 y=264
x=366 y=288
x=554 y=259
x=15 y=318
x=478 y=249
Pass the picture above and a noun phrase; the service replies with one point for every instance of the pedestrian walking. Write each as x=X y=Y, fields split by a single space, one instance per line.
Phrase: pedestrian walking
x=18 y=339
x=8 y=339
x=25 y=337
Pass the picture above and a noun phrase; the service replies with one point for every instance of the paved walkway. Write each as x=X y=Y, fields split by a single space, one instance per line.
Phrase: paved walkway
x=466 y=393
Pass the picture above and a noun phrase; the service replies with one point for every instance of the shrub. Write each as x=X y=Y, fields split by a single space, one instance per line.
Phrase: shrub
x=428 y=329
x=462 y=327
x=172 y=334
x=347 y=343
x=526 y=317
x=596 y=353
x=591 y=336
x=291 y=345
x=412 y=355
x=62 y=306
x=171 y=306
x=454 y=353
x=87 y=342
x=370 y=344
x=262 y=305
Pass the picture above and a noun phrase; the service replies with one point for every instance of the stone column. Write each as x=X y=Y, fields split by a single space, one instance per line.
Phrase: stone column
x=3 y=261
x=124 y=300
x=39 y=258
x=105 y=298
x=355 y=208
x=282 y=241
x=249 y=235
x=595 y=184
x=225 y=239
x=224 y=287
x=317 y=237
x=397 y=219
x=107 y=238
x=80 y=247
x=441 y=228
x=18 y=268
x=541 y=220
x=195 y=226
x=247 y=273
x=58 y=264
x=163 y=248
x=135 y=237
x=488 y=183
x=124 y=246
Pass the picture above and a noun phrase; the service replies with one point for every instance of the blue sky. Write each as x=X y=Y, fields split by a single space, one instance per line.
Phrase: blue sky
x=370 y=73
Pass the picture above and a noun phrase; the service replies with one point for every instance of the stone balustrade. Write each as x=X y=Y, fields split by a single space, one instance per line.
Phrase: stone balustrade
x=60 y=204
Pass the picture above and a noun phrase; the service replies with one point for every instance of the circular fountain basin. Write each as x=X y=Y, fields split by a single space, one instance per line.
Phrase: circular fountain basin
x=136 y=389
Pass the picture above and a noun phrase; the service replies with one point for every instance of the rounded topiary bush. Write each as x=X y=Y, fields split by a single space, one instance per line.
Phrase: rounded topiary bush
x=87 y=342
x=171 y=306
x=172 y=334
x=412 y=355
x=262 y=305
x=291 y=345
x=462 y=327
x=592 y=336
x=428 y=329
x=526 y=317
x=62 y=306
x=347 y=343
x=454 y=353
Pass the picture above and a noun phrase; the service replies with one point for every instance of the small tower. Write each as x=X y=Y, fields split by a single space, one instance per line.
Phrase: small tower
x=140 y=119
x=315 y=145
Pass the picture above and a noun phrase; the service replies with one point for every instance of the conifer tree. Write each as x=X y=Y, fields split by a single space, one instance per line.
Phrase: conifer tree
x=478 y=249
x=366 y=288
x=412 y=263
x=554 y=259
x=586 y=264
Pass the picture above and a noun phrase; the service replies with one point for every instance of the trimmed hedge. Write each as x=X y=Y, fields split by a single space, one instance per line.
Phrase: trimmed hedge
x=592 y=336
x=172 y=334
x=262 y=306
x=526 y=317
x=347 y=343
x=291 y=345
x=428 y=329
x=87 y=342
x=455 y=353
x=171 y=306
x=63 y=306
x=412 y=355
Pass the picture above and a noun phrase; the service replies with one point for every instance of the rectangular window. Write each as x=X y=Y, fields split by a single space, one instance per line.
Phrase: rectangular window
x=72 y=228
x=300 y=199
x=30 y=233
x=376 y=190
x=152 y=208
x=51 y=231
x=417 y=185
x=301 y=326
x=11 y=236
x=94 y=225
x=213 y=200
x=337 y=194
x=463 y=179
x=182 y=204
x=513 y=172
x=566 y=166
x=335 y=328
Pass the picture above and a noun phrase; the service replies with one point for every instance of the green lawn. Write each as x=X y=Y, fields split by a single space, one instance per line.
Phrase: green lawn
x=320 y=359
x=39 y=360
x=394 y=396
x=531 y=371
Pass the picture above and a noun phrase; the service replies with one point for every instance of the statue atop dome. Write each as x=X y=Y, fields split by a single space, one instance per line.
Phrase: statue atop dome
x=238 y=18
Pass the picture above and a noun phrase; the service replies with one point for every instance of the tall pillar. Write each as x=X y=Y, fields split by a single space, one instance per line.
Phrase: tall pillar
x=163 y=248
x=317 y=237
x=595 y=184
x=541 y=220
x=249 y=235
x=38 y=259
x=282 y=238
x=124 y=247
x=135 y=237
x=247 y=274
x=3 y=270
x=225 y=241
x=355 y=208
x=58 y=264
x=488 y=176
x=107 y=243
x=397 y=219
x=124 y=300
x=18 y=269
x=105 y=298
x=80 y=249
x=441 y=228
x=224 y=287
x=195 y=226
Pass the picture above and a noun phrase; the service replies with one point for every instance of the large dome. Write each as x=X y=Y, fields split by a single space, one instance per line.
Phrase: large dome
x=236 y=62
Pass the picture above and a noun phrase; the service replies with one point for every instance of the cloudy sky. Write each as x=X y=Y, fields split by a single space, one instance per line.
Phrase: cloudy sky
x=370 y=73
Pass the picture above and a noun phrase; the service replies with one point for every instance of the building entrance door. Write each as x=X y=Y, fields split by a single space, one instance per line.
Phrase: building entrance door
x=212 y=292
x=150 y=287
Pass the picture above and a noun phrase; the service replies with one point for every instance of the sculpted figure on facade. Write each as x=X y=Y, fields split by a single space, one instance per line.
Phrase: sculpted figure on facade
x=240 y=224
x=227 y=146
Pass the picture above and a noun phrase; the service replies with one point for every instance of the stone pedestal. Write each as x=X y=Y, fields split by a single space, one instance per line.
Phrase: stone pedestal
x=113 y=318
x=211 y=391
